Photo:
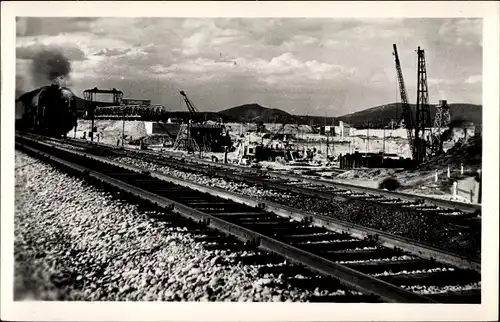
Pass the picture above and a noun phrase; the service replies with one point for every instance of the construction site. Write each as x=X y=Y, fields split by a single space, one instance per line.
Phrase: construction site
x=252 y=160
x=411 y=143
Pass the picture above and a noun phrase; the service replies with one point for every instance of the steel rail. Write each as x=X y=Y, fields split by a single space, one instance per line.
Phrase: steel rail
x=471 y=209
x=306 y=190
x=385 y=239
x=419 y=249
x=347 y=276
x=465 y=207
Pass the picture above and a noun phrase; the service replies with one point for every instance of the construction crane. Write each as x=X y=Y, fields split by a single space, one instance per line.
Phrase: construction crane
x=423 y=130
x=200 y=136
x=193 y=111
x=185 y=139
x=407 y=112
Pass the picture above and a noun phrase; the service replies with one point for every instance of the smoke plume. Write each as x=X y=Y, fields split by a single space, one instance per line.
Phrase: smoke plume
x=50 y=65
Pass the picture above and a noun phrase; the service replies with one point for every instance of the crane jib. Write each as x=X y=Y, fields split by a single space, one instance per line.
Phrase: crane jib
x=407 y=112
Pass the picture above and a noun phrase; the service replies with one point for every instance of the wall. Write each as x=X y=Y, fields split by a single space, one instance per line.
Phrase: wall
x=149 y=127
x=401 y=133
x=467 y=186
x=162 y=128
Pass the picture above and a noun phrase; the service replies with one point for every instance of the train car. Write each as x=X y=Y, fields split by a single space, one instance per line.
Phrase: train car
x=49 y=110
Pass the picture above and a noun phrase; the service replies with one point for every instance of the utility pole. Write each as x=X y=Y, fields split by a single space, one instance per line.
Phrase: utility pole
x=479 y=197
x=92 y=117
x=326 y=145
x=383 y=146
x=326 y=139
x=367 y=139
x=333 y=137
x=123 y=125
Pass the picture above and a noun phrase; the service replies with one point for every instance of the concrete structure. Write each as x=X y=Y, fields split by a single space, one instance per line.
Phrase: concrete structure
x=468 y=189
x=467 y=131
x=343 y=129
x=162 y=128
x=394 y=133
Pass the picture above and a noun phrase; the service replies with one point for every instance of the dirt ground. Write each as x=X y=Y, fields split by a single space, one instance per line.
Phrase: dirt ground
x=421 y=182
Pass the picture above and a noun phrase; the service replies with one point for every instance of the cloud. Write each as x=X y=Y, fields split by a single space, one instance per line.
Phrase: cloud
x=466 y=32
x=207 y=36
x=441 y=81
x=35 y=26
x=300 y=41
x=287 y=63
x=193 y=44
x=70 y=51
x=113 y=52
x=87 y=42
x=284 y=67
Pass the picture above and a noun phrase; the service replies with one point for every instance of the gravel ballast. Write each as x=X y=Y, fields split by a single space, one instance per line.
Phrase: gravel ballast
x=409 y=224
x=77 y=242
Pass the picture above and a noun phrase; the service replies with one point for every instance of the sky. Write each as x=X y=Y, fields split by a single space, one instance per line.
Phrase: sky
x=305 y=66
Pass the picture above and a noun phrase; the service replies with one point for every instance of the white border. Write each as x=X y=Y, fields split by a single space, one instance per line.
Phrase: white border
x=37 y=311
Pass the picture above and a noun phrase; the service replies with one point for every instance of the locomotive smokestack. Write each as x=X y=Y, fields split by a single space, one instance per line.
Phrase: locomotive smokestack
x=50 y=65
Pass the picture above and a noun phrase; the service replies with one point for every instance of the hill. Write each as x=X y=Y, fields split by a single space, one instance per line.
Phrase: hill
x=255 y=112
x=380 y=116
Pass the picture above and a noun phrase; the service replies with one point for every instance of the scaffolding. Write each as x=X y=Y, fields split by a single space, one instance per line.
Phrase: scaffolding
x=185 y=141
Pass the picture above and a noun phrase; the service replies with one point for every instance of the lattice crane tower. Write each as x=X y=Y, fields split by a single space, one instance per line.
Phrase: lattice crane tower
x=423 y=132
x=443 y=117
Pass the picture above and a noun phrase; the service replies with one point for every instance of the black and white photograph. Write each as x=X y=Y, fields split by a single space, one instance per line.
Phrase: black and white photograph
x=270 y=159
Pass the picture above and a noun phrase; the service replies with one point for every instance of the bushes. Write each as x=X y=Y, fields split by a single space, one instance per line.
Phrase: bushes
x=389 y=184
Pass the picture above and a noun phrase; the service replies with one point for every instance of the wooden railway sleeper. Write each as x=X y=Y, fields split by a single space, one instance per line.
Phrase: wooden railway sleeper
x=257 y=240
x=205 y=220
x=254 y=242
x=307 y=220
x=372 y=237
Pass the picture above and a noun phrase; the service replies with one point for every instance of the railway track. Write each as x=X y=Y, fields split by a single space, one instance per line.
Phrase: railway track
x=319 y=189
x=457 y=233
x=391 y=269
x=460 y=215
x=440 y=204
x=467 y=214
x=332 y=189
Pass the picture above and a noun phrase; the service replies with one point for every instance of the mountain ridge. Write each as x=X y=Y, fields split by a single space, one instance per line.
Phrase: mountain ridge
x=381 y=115
x=374 y=117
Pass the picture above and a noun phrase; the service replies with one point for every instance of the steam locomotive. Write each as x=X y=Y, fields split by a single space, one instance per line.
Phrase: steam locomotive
x=49 y=110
